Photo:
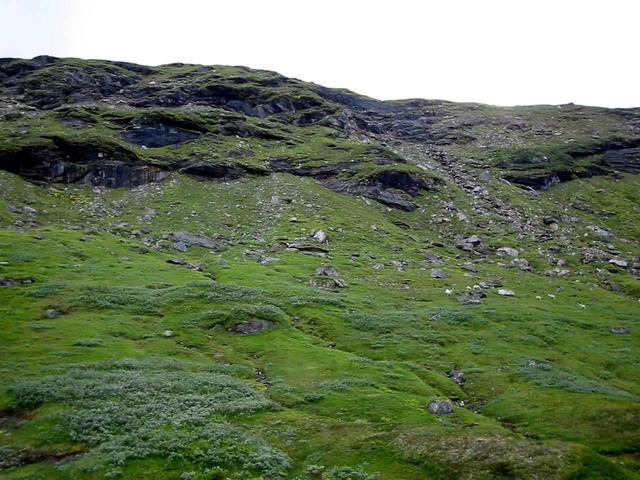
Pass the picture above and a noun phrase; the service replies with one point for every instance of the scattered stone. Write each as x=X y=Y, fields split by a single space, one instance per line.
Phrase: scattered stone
x=180 y=246
x=437 y=273
x=619 y=262
x=320 y=236
x=457 y=376
x=327 y=270
x=29 y=210
x=469 y=267
x=434 y=258
x=38 y=236
x=328 y=283
x=149 y=214
x=473 y=244
x=469 y=244
x=520 y=263
x=600 y=232
x=293 y=219
x=307 y=248
x=378 y=266
x=399 y=264
x=620 y=330
x=440 y=407
x=471 y=297
x=198 y=240
x=557 y=272
x=254 y=325
x=193 y=266
x=51 y=313
x=11 y=282
x=507 y=252
x=266 y=260
x=177 y=261
x=490 y=284
x=506 y=292
x=592 y=254
x=168 y=333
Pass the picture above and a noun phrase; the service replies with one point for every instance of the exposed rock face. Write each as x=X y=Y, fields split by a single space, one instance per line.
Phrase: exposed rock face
x=394 y=188
x=157 y=134
x=59 y=160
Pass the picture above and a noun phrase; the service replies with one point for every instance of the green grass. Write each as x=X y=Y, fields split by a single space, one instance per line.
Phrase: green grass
x=351 y=370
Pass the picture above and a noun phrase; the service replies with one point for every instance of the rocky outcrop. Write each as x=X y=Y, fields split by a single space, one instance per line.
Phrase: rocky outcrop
x=56 y=159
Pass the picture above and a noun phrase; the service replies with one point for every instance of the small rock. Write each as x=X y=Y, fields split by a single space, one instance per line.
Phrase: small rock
x=399 y=264
x=457 y=376
x=437 y=273
x=11 y=282
x=38 y=236
x=471 y=297
x=506 y=292
x=320 y=236
x=600 y=232
x=180 y=246
x=507 y=252
x=327 y=283
x=51 y=313
x=557 y=272
x=619 y=262
x=327 y=270
x=167 y=333
x=254 y=325
x=520 y=263
x=592 y=254
x=378 y=266
x=29 y=210
x=490 y=284
x=266 y=260
x=440 y=407
x=434 y=258
x=620 y=330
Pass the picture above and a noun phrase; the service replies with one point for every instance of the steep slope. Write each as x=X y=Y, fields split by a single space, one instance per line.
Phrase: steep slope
x=220 y=272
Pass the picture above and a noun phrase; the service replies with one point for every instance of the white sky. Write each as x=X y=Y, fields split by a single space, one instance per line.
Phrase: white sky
x=503 y=52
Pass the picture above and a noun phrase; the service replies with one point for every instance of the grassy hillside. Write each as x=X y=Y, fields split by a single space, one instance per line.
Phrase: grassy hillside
x=185 y=324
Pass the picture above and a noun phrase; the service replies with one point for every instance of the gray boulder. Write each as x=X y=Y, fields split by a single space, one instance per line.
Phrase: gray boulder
x=440 y=407
x=507 y=252
x=437 y=273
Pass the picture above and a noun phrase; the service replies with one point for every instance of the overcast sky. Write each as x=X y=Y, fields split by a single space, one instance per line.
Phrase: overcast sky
x=502 y=52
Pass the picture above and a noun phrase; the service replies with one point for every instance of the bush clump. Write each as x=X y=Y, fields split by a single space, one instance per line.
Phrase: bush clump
x=138 y=409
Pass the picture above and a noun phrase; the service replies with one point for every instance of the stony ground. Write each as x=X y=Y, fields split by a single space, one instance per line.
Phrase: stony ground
x=218 y=272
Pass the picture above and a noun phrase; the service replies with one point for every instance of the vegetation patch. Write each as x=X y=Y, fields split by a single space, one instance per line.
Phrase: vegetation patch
x=131 y=410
